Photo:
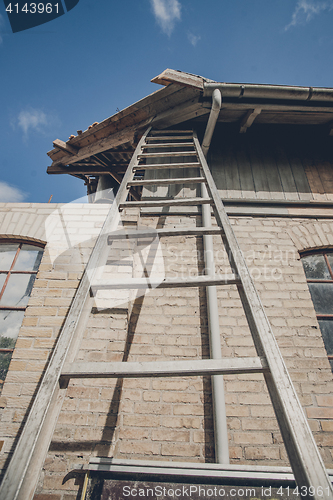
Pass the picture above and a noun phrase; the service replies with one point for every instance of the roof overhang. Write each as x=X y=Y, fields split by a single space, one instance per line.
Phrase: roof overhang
x=107 y=147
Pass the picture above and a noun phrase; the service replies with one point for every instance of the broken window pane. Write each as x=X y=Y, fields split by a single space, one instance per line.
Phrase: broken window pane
x=18 y=290
x=315 y=267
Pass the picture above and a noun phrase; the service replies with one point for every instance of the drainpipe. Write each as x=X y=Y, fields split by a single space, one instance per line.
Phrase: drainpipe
x=104 y=190
x=220 y=419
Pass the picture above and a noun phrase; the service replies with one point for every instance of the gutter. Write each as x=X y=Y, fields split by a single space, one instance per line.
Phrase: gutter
x=281 y=92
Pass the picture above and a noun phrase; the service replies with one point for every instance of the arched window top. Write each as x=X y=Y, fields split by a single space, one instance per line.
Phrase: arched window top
x=318 y=268
x=318 y=265
x=19 y=263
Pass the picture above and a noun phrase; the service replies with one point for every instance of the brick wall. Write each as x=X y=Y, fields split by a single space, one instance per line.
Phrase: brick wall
x=171 y=419
x=59 y=273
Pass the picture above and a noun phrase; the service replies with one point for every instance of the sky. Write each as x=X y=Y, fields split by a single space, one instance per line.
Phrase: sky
x=100 y=57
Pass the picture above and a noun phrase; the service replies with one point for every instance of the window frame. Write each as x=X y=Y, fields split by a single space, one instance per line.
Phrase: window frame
x=324 y=252
x=20 y=242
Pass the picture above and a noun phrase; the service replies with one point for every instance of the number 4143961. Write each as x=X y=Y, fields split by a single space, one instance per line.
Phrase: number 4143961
x=33 y=8
x=303 y=491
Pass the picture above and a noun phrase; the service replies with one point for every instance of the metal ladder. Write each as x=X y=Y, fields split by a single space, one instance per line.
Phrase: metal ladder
x=22 y=474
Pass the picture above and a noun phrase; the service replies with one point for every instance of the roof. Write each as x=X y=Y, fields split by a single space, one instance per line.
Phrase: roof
x=107 y=147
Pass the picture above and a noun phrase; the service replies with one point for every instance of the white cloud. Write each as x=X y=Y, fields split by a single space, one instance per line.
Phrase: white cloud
x=193 y=39
x=35 y=120
x=306 y=9
x=166 y=12
x=32 y=119
x=11 y=194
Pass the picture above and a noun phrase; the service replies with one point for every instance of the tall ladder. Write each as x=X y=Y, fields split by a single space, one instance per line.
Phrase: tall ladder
x=22 y=474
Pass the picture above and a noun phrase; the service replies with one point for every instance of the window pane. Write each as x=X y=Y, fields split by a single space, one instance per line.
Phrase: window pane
x=330 y=259
x=18 y=290
x=2 y=280
x=7 y=254
x=29 y=258
x=326 y=327
x=10 y=323
x=315 y=267
x=5 y=358
x=322 y=297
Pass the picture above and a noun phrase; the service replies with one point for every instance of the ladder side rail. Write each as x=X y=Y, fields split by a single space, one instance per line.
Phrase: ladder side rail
x=28 y=457
x=304 y=456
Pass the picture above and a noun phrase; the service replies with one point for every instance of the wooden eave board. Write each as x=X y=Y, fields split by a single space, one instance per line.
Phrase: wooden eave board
x=295 y=118
x=230 y=115
x=111 y=125
x=156 y=103
x=189 y=109
x=173 y=76
x=285 y=116
x=97 y=129
x=193 y=111
x=77 y=170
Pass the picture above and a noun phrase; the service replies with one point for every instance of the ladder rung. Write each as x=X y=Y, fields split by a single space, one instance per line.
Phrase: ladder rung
x=167 y=203
x=185 y=368
x=161 y=182
x=164 y=154
x=143 y=283
x=167 y=138
x=159 y=166
x=153 y=233
x=167 y=132
x=118 y=263
x=167 y=145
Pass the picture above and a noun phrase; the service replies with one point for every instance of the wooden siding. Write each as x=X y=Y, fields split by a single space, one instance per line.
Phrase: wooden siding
x=172 y=190
x=273 y=163
x=268 y=162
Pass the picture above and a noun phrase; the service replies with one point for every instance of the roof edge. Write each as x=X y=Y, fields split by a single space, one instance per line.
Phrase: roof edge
x=245 y=90
x=174 y=76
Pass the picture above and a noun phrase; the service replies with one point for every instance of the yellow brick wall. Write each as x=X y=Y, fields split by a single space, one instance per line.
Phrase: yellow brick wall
x=171 y=419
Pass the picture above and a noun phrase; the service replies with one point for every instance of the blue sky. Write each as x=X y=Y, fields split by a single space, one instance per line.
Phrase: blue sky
x=99 y=57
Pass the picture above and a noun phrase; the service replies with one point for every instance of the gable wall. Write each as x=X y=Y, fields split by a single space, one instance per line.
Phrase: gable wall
x=268 y=162
x=170 y=419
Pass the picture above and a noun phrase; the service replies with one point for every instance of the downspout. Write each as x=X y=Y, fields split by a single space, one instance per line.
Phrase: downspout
x=220 y=418
x=104 y=190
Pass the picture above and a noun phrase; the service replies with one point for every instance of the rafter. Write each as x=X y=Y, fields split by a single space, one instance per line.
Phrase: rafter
x=248 y=119
x=64 y=146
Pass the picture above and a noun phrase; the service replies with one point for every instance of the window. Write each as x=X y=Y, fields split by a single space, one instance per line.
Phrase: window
x=318 y=269
x=19 y=263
